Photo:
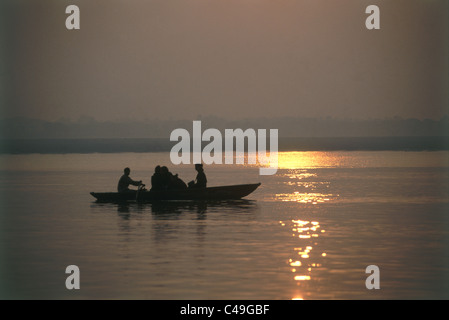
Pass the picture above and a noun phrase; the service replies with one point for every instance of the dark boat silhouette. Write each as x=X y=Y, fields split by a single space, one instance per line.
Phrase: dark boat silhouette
x=231 y=192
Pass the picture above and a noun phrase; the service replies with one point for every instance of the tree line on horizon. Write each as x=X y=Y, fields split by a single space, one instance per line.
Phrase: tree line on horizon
x=86 y=127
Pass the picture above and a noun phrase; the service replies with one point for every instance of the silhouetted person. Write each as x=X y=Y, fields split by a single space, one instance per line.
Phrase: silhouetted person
x=125 y=181
x=166 y=180
x=165 y=177
x=200 y=181
x=176 y=182
x=157 y=181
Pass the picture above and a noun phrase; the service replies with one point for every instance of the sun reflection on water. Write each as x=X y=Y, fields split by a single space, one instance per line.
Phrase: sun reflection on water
x=307 y=256
x=306 y=197
x=302 y=160
x=304 y=187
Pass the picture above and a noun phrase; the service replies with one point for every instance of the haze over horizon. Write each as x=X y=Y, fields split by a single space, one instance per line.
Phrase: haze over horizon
x=231 y=59
x=89 y=128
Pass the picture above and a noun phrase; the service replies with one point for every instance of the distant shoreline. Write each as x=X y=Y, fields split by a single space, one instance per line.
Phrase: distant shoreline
x=143 y=145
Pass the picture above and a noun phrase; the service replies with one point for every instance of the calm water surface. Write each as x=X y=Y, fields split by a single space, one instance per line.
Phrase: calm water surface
x=308 y=232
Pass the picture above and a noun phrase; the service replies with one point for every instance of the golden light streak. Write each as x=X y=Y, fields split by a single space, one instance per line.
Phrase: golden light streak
x=298 y=298
x=302 y=278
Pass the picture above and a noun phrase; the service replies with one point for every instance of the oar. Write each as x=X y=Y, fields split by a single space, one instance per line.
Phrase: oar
x=138 y=190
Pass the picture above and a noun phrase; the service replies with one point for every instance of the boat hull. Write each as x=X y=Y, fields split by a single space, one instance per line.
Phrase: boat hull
x=211 y=193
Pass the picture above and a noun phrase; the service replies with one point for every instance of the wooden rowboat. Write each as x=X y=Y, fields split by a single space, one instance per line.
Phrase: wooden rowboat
x=210 y=193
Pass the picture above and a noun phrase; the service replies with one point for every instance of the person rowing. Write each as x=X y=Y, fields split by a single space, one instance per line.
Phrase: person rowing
x=125 y=181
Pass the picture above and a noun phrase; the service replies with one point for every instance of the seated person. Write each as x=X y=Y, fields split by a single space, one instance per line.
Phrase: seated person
x=201 y=181
x=165 y=177
x=176 y=182
x=157 y=180
x=125 y=181
x=172 y=181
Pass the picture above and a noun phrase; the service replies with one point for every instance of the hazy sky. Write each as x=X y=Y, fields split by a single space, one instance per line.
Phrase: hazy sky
x=139 y=59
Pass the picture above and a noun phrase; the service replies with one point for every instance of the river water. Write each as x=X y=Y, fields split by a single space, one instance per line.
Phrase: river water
x=308 y=232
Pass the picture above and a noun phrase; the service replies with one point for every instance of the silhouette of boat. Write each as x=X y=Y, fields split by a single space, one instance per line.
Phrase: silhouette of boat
x=210 y=193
